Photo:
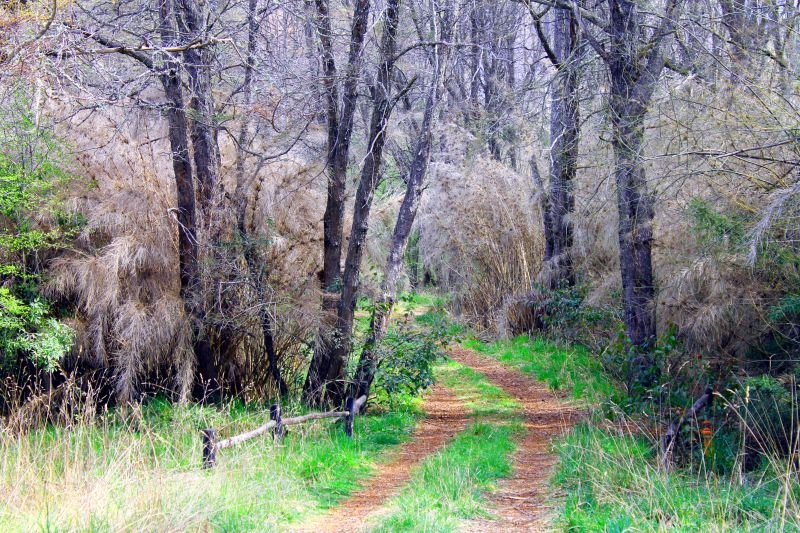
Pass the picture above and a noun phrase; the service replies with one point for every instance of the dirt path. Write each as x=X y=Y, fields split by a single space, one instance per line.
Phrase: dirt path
x=445 y=416
x=522 y=502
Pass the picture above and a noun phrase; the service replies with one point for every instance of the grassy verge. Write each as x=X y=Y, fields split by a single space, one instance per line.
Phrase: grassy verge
x=612 y=478
x=613 y=484
x=450 y=486
x=141 y=472
x=571 y=368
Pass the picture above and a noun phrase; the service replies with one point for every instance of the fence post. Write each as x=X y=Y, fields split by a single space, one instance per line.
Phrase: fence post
x=209 y=447
x=349 y=406
x=279 y=430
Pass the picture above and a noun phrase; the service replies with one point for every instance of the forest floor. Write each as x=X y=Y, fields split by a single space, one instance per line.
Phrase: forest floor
x=521 y=502
x=524 y=501
x=445 y=416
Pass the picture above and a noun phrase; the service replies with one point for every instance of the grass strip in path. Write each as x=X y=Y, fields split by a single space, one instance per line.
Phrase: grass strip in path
x=571 y=368
x=450 y=486
x=445 y=417
x=524 y=502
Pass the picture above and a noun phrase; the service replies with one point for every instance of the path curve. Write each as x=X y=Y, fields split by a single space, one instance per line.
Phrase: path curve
x=523 y=502
x=445 y=416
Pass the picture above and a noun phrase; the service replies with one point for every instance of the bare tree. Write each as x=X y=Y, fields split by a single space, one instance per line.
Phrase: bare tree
x=559 y=202
x=635 y=59
x=340 y=130
x=326 y=377
x=382 y=307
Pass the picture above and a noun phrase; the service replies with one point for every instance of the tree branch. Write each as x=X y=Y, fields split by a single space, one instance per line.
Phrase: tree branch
x=139 y=53
x=39 y=35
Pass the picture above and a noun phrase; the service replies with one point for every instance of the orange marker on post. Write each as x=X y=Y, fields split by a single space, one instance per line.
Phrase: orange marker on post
x=707 y=433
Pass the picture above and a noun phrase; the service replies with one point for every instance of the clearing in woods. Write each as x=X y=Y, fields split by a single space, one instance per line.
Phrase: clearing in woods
x=522 y=502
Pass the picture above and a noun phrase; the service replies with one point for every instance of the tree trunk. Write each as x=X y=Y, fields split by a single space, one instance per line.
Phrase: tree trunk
x=247 y=98
x=340 y=128
x=186 y=213
x=370 y=176
x=634 y=75
x=635 y=204
x=192 y=17
x=564 y=132
x=256 y=266
x=340 y=131
x=382 y=309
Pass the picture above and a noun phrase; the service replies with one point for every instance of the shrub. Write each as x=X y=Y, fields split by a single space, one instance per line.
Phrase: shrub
x=31 y=224
x=406 y=358
x=563 y=314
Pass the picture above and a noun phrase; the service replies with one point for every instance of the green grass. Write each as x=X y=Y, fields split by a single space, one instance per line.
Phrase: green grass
x=420 y=300
x=571 y=368
x=451 y=485
x=141 y=472
x=613 y=484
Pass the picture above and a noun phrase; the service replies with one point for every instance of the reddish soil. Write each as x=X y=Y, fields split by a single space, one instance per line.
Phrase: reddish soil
x=523 y=502
x=445 y=417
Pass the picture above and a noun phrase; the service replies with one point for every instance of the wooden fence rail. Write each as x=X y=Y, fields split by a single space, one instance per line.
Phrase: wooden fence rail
x=211 y=445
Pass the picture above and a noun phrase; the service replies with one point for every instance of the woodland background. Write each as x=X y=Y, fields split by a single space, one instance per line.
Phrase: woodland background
x=195 y=195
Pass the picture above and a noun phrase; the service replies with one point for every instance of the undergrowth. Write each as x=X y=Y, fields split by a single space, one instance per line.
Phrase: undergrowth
x=140 y=471
x=613 y=483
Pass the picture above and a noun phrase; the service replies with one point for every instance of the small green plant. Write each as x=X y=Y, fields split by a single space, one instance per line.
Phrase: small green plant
x=770 y=412
x=717 y=232
x=406 y=356
x=26 y=328
x=614 y=483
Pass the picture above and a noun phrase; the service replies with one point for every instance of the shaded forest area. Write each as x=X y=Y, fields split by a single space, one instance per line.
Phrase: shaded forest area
x=197 y=195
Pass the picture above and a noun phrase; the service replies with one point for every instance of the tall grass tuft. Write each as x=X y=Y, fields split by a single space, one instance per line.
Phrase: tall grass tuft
x=139 y=470
x=614 y=482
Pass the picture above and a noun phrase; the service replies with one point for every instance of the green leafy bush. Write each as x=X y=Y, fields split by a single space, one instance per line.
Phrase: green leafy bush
x=567 y=316
x=27 y=328
x=407 y=356
x=32 y=225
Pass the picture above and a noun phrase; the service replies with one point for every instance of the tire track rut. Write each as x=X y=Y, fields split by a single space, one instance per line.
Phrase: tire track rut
x=524 y=501
x=445 y=416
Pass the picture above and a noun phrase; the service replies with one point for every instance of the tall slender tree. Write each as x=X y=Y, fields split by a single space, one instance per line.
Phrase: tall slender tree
x=382 y=105
x=635 y=62
x=559 y=201
x=382 y=307
x=340 y=130
x=635 y=59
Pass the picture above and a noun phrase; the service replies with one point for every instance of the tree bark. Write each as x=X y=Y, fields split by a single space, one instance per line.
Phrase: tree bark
x=340 y=129
x=634 y=74
x=192 y=18
x=370 y=176
x=188 y=251
x=564 y=133
x=256 y=266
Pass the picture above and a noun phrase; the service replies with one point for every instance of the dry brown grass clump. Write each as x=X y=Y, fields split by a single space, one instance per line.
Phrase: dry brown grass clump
x=123 y=274
x=480 y=232
x=123 y=279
